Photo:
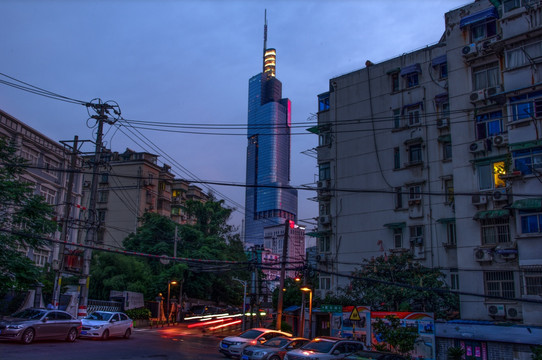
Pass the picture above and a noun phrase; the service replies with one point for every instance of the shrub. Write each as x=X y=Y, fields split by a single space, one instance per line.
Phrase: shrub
x=139 y=314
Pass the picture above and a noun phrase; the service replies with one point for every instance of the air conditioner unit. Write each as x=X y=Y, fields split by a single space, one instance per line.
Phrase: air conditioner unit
x=496 y=310
x=479 y=199
x=492 y=91
x=470 y=50
x=514 y=312
x=500 y=140
x=325 y=219
x=477 y=146
x=419 y=252
x=323 y=184
x=499 y=194
x=478 y=95
x=443 y=123
x=486 y=44
x=482 y=255
x=509 y=255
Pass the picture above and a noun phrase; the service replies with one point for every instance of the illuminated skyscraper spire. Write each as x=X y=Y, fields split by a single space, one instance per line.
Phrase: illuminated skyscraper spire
x=269 y=55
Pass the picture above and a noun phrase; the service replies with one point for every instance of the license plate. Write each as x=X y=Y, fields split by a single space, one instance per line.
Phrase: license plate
x=224 y=346
x=244 y=357
x=83 y=332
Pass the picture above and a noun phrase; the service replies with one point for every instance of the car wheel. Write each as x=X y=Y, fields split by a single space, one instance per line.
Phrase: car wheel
x=274 y=357
x=127 y=333
x=105 y=335
x=28 y=336
x=72 y=335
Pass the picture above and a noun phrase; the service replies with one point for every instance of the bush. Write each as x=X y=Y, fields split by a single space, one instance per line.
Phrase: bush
x=139 y=314
x=284 y=326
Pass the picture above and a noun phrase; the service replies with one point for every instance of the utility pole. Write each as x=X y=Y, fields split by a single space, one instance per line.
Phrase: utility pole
x=282 y=273
x=102 y=115
x=59 y=266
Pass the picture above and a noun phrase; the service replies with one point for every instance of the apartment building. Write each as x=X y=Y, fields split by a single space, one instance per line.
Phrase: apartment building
x=48 y=161
x=438 y=153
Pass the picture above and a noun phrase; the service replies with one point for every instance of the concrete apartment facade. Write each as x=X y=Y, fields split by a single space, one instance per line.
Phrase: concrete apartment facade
x=437 y=153
x=48 y=161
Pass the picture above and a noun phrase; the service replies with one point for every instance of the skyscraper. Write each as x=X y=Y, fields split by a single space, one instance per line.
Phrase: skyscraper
x=269 y=199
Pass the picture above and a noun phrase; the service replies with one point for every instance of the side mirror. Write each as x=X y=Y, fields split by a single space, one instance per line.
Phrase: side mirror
x=113 y=320
x=336 y=352
x=45 y=319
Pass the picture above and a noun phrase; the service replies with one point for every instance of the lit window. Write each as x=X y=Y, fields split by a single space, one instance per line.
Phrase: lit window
x=500 y=283
x=488 y=175
x=489 y=124
x=486 y=76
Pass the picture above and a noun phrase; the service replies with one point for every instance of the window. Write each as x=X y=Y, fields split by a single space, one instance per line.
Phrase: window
x=486 y=76
x=30 y=155
x=175 y=211
x=528 y=161
x=396 y=158
x=325 y=283
x=397 y=118
x=50 y=166
x=449 y=191
x=451 y=236
x=41 y=257
x=395 y=82
x=49 y=195
x=324 y=171
x=100 y=214
x=398 y=238
x=495 y=231
x=443 y=70
x=411 y=80
x=446 y=150
x=324 y=136
x=526 y=106
x=324 y=245
x=324 y=208
x=104 y=178
x=415 y=193
x=412 y=115
x=416 y=235
x=443 y=112
x=483 y=29
x=532 y=282
x=499 y=283
x=415 y=153
x=103 y=196
x=488 y=175
x=162 y=186
x=531 y=221
x=454 y=279
x=323 y=102
x=489 y=124
x=523 y=55
x=398 y=198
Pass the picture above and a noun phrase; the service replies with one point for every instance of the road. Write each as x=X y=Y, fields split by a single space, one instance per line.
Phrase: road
x=175 y=342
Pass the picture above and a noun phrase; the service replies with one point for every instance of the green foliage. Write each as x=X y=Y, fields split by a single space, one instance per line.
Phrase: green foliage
x=25 y=219
x=401 y=338
x=292 y=295
x=139 y=314
x=375 y=287
x=455 y=353
x=537 y=352
x=284 y=326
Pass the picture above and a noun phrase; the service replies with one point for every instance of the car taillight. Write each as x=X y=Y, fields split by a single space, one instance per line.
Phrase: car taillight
x=253 y=342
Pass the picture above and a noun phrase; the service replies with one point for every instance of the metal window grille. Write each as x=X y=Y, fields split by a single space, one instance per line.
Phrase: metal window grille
x=495 y=231
x=500 y=283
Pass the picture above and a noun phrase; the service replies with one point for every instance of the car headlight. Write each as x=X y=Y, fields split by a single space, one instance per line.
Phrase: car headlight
x=15 y=326
x=97 y=327
x=259 y=353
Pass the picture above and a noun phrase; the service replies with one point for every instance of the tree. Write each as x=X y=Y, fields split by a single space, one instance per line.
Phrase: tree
x=375 y=285
x=25 y=219
x=391 y=332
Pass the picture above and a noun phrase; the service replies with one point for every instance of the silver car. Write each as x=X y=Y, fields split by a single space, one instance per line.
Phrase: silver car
x=37 y=324
x=325 y=348
x=103 y=324
x=233 y=346
x=273 y=349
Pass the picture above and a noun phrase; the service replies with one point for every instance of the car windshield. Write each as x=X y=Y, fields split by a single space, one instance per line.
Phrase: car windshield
x=320 y=346
x=276 y=342
x=251 y=334
x=98 y=315
x=30 y=314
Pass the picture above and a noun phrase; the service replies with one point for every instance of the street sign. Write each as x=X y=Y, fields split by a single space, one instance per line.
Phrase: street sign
x=331 y=308
x=354 y=315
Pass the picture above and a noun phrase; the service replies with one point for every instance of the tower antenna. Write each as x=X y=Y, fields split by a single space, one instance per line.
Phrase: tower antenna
x=264 y=38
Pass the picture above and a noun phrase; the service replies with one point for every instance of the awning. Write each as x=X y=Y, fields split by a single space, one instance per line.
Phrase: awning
x=396 y=225
x=313 y=129
x=392 y=71
x=525 y=145
x=439 y=60
x=416 y=140
x=415 y=68
x=292 y=308
x=479 y=16
x=528 y=204
x=445 y=138
x=318 y=234
x=492 y=214
x=441 y=98
x=446 y=220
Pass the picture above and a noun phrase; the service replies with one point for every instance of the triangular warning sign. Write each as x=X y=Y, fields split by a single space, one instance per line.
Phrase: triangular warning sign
x=354 y=315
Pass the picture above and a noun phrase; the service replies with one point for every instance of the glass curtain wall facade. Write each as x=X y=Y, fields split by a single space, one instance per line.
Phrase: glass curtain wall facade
x=269 y=199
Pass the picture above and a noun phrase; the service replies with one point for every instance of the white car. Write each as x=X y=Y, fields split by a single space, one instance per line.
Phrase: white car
x=103 y=324
x=325 y=348
x=233 y=346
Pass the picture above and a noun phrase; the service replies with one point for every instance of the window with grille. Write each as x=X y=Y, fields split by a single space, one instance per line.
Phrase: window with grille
x=499 y=283
x=398 y=238
x=532 y=283
x=495 y=231
x=451 y=236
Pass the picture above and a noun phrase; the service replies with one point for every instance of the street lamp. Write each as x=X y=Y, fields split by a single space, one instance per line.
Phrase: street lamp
x=168 y=304
x=244 y=283
x=310 y=308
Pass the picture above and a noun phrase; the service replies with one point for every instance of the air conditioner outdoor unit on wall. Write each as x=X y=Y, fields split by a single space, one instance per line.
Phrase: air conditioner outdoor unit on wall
x=500 y=140
x=478 y=95
x=477 y=146
x=325 y=219
x=499 y=194
x=514 y=312
x=482 y=255
x=495 y=90
x=470 y=50
x=479 y=199
x=322 y=184
x=496 y=310
x=443 y=123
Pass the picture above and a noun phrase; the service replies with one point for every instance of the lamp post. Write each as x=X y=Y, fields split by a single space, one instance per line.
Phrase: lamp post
x=168 y=292
x=310 y=309
x=244 y=283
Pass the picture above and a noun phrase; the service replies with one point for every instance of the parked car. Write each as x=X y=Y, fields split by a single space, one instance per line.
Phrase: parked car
x=37 y=324
x=325 y=348
x=373 y=355
x=103 y=324
x=233 y=346
x=273 y=349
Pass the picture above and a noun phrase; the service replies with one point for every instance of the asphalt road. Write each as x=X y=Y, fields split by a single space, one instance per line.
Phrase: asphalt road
x=175 y=342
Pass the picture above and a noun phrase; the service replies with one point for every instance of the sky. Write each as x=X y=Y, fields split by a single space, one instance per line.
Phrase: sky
x=189 y=62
